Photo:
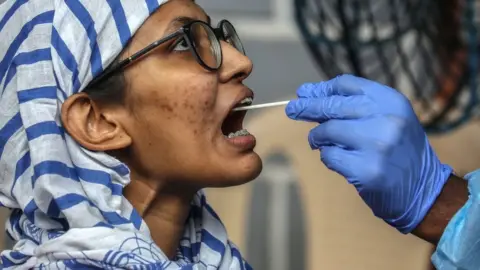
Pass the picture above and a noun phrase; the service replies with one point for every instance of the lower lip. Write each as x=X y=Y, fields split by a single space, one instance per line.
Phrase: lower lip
x=244 y=142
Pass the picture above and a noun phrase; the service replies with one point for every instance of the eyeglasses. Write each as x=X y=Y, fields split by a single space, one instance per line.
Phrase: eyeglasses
x=201 y=39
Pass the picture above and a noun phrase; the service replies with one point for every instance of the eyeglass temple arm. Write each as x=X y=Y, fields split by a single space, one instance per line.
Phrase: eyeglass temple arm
x=122 y=64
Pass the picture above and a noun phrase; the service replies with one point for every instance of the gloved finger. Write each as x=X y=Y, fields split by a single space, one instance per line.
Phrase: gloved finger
x=342 y=161
x=345 y=85
x=333 y=107
x=343 y=133
x=364 y=170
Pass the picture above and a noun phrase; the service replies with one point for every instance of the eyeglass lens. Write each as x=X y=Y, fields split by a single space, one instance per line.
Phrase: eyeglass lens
x=231 y=36
x=207 y=45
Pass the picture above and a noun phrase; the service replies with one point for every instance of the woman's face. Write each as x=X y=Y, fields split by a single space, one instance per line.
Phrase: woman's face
x=177 y=108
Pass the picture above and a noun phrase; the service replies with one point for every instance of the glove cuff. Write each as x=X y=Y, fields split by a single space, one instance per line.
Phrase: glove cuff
x=425 y=199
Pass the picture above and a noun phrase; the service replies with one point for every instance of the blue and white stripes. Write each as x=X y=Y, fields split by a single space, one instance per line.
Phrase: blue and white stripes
x=68 y=207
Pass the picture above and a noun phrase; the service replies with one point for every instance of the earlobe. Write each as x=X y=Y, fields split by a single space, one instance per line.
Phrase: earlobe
x=93 y=128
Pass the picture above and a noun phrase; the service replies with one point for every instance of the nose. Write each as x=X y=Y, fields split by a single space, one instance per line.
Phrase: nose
x=235 y=66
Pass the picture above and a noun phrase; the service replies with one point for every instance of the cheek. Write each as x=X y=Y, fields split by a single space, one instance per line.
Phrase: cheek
x=188 y=108
x=197 y=102
x=185 y=96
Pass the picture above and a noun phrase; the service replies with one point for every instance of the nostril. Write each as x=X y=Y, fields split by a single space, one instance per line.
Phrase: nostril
x=240 y=76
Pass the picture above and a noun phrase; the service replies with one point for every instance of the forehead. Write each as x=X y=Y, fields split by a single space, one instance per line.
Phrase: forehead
x=164 y=20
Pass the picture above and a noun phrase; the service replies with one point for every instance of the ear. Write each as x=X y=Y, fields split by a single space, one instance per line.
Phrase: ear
x=94 y=128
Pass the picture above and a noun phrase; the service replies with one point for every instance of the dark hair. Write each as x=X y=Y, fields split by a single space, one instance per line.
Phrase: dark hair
x=111 y=90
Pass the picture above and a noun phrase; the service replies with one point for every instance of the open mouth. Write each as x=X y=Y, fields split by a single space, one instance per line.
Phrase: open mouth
x=233 y=124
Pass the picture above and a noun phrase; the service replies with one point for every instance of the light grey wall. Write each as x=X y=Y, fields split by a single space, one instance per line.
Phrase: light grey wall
x=248 y=8
x=279 y=68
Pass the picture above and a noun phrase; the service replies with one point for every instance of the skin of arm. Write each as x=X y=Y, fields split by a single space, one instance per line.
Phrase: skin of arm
x=454 y=195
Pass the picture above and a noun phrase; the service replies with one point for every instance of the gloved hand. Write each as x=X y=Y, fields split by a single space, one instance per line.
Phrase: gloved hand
x=370 y=134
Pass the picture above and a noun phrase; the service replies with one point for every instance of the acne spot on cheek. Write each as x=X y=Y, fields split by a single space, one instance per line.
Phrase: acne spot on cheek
x=207 y=105
x=188 y=105
x=166 y=107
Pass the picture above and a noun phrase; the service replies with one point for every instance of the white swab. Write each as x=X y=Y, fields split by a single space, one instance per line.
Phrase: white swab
x=259 y=106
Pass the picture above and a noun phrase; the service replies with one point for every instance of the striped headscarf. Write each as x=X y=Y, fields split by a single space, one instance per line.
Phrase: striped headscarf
x=68 y=211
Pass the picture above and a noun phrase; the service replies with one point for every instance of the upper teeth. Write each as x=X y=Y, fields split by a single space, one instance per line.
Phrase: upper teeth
x=246 y=101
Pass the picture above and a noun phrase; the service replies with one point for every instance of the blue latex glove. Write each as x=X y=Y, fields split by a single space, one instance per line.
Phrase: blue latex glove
x=370 y=134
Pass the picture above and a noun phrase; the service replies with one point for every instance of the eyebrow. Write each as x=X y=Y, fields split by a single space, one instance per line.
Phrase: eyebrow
x=182 y=20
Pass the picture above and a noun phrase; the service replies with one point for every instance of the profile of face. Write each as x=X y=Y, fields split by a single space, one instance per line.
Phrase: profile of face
x=172 y=124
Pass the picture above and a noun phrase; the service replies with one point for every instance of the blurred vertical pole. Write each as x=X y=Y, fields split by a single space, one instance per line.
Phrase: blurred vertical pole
x=276 y=234
x=279 y=221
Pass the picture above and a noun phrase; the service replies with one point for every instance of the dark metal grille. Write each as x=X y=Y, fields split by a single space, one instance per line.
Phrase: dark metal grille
x=425 y=48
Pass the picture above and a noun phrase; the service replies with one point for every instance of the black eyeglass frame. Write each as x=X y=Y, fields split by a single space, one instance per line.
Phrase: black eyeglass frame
x=185 y=32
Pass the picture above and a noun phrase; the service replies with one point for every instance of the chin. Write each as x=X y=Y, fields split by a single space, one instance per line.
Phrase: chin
x=245 y=171
x=237 y=172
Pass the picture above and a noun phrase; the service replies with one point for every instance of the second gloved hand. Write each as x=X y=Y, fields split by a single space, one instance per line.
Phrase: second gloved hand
x=370 y=134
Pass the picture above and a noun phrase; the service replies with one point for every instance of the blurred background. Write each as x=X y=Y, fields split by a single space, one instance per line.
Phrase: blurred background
x=297 y=214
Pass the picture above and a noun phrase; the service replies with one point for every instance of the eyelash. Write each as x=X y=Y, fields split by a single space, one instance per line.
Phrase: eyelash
x=179 y=42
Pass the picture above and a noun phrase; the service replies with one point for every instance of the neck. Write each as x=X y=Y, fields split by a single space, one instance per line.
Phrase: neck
x=164 y=208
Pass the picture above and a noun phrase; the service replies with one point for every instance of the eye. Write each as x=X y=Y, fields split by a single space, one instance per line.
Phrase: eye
x=228 y=38
x=181 y=45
